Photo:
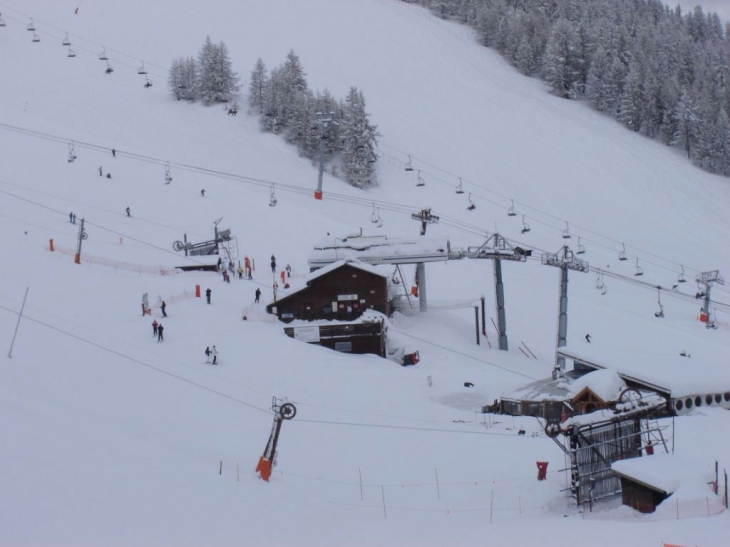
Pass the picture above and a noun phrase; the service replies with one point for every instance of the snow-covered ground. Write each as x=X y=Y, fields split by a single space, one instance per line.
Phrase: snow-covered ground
x=111 y=438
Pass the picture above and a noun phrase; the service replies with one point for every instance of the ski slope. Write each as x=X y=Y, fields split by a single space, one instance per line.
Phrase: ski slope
x=112 y=438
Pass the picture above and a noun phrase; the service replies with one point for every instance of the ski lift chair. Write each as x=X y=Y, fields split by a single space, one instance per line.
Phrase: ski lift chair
x=511 y=211
x=141 y=69
x=71 y=153
x=102 y=55
x=66 y=41
x=71 y=52
x=659 y=313
x=566 y=232
x=622 y=254
x=409 y=164
x=31 y=26
x=147 y=82
x=36 y=38
x=272 y=198
x=581 y=250
x=680 y=277
x=460 y=187
x=168 y=176
x=420 y=182
x=109 y=68
x=525 y=226
x=639 y=271
x=2 y=22
x=373 y=216
x=472 y=205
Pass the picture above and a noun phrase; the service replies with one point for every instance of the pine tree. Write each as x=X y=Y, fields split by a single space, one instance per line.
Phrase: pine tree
x=217 y=81
x=257 y=87
x=359 y=141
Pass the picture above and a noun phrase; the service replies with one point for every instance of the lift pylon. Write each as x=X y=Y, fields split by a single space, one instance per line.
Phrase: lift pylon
x=497 y=248
x=564 y=259
x=286 y=411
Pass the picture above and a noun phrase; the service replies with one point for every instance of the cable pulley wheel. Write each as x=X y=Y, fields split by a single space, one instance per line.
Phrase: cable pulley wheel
x=287 y=411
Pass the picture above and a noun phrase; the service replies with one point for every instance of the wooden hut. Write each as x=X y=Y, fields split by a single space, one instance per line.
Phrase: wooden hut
x=342 y=291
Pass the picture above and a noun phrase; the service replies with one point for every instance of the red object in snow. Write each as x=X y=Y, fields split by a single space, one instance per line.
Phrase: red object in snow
x=542 y=471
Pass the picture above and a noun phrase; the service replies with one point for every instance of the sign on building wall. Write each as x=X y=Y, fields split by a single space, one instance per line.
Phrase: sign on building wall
x=307 y=334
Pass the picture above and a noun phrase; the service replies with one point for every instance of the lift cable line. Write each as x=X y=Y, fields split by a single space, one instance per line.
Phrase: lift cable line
x=502 y=195
x=507 y=200
x=362 y=201
x=235 y=399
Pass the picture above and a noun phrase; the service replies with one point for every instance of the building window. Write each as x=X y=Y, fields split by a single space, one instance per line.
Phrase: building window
x=688 y=402
x=678 y=404
x=345 y=347
x=708 y=399
x=698 y=401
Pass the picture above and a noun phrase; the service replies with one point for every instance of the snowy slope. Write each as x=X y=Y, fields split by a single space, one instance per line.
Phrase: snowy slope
x=114 y=439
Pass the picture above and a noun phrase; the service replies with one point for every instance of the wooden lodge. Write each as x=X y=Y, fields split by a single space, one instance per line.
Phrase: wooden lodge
x=342 y=291
x=366 y=335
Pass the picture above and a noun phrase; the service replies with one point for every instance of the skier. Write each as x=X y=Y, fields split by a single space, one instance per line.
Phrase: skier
x=214 y=353
x=288 y=270
x=100 y=172
x=273 y=264
x=71 y=217
x=258 y=295
x=202 y=192
x=240 y=272
x=163 y=306
x=160 y=328
x=588 y=338
x=129 y=214
x=108 y=175
x=74 y=219
x=207 y=354
x=114 y=152
x=220 y=263
x=207 y=295
x=154 y=327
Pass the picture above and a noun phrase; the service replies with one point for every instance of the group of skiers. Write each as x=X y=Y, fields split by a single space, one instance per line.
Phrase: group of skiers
x=211 y=353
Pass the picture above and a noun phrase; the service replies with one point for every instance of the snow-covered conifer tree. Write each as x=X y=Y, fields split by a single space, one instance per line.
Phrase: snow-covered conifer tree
x=359 y=141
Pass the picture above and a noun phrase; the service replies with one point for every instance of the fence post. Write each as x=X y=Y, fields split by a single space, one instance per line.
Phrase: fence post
x=51 y=244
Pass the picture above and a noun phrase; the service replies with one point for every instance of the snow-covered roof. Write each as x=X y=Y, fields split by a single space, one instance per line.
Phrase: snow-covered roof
x=675 y=374
x=667 y=473
x=605 y=384
x=368 y=316
x=379 y=250
x=354 y=262
x=300 y=284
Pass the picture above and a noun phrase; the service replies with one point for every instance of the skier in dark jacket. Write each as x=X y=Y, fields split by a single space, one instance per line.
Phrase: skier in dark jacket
x=160 y=328
x=273 y=264
x=163 y=306
x=207 y=295
x=258 y=295
x=154 y=328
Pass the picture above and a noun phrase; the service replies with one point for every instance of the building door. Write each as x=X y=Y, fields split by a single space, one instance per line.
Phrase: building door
x=309 y=311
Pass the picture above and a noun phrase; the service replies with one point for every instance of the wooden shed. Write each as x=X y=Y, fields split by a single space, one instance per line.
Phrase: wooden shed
x=366 y=335
x=342 y=291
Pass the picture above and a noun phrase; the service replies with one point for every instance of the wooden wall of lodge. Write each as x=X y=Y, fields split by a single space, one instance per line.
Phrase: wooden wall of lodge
x=315 y=301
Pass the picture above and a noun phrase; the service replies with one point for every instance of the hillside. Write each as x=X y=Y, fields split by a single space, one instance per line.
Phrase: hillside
x=112 y=438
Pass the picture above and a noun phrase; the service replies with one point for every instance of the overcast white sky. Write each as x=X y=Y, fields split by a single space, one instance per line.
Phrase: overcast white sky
x=721 y=7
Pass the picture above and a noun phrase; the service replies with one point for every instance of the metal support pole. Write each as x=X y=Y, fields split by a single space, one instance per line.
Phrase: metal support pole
x=10 y=353
x=501 y=317
x=563 y=317
x=318 y=193
x=484 y=317
x=421 y=273
x=706 y=303
x=77 y=258
x=185 y=240
x=476 y=322
x=324 y=119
